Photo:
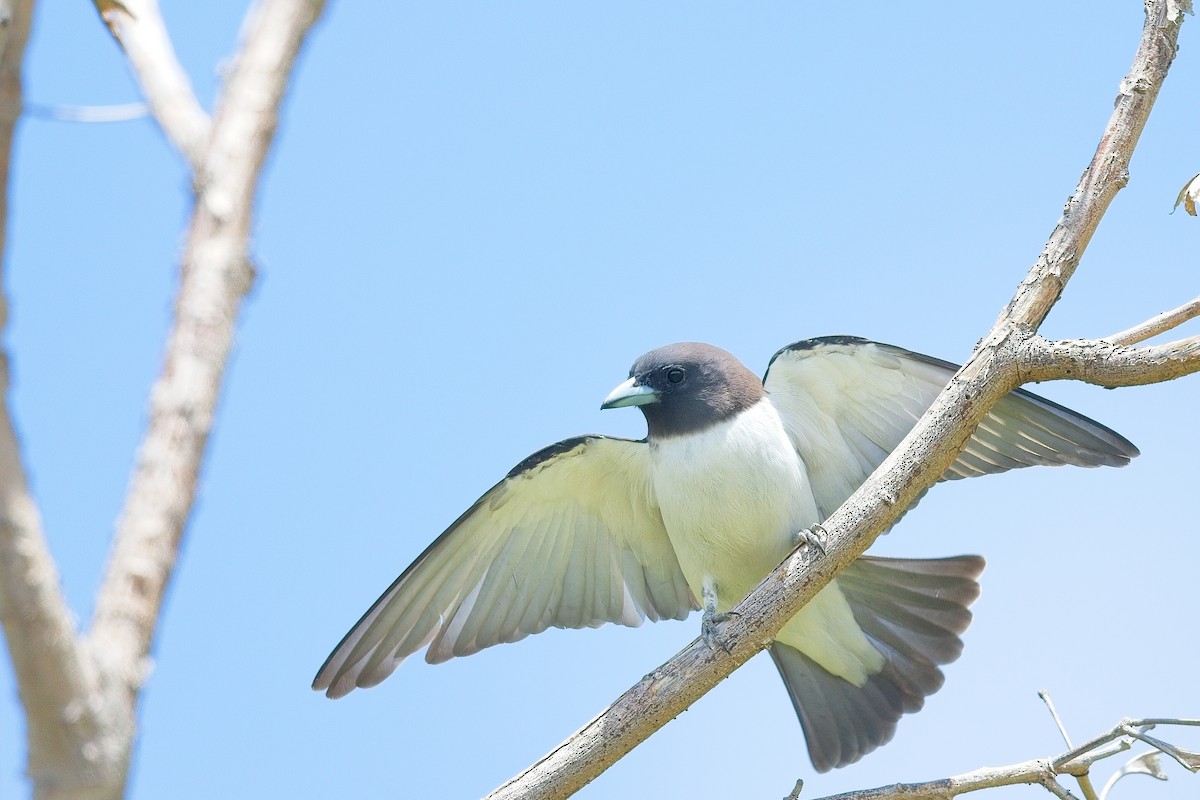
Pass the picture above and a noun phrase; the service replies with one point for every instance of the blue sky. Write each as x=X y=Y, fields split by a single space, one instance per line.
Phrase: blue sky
x=475 y=217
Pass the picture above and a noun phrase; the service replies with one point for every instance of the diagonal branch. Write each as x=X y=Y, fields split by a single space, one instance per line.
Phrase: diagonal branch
x=914 y=466
x=138 y=28
x=1157 y=324
x=1107 y=173
x=80 y=693
x=216 y=274
x=51 y=669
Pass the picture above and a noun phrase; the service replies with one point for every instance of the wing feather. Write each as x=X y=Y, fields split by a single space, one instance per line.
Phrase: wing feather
x=847 y=402
x=571 y=538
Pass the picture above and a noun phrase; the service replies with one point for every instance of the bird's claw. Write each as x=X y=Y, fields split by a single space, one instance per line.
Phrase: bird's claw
x=812 y=536
x=710 y=628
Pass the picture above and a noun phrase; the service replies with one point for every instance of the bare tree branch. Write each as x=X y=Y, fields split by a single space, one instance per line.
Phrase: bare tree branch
x=1044 y=696
x=80 y=694
x=916 y=464
x=52 y=668
x=1043 y=771
x=1036 y=772
x=1186 y=758
x=1157 y=324
x=1101 y=363
x=1085 y=782
x=1106 y=174
x=122 y=112
x=138 y=28
x=217 y=273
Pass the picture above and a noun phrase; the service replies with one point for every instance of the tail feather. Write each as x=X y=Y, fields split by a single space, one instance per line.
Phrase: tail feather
x=912 y=611
x=842 y=722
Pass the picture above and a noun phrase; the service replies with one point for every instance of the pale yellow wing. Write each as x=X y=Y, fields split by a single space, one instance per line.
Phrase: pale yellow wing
x=847 y=402
x=571 y=538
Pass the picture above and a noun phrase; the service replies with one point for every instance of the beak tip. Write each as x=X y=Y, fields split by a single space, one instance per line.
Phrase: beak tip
x=629 y=393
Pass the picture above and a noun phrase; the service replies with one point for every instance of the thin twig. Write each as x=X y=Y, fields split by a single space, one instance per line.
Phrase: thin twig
x=1084 y=780
x=1116 y=732
x=1058 y=790
x=1156 y=324
x=1044 y=772
x=1062 y=729
x=1185 y=758
x=123 y=112
x=1081 y=764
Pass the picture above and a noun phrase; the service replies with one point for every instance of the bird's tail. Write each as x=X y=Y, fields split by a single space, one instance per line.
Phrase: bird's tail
x=912 y=611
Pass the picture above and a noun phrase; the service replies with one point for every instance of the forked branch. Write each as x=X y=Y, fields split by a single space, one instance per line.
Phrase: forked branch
x=1043 y=771
x=80 y=692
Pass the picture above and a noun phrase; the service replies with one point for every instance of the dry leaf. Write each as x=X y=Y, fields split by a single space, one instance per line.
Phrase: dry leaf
x=1188 y=196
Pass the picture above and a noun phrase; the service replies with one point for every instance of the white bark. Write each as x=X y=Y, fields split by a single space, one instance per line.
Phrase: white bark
x=139 y=30
x=55 y=677
x=80 y=691
x=1047 y=772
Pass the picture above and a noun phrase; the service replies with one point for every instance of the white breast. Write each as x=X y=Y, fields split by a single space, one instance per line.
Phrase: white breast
x=733 y=498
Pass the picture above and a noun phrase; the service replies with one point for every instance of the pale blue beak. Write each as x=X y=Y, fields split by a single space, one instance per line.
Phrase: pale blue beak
x=630 y=393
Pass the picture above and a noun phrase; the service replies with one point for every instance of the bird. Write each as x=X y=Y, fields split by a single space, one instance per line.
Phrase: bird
x=732 y=472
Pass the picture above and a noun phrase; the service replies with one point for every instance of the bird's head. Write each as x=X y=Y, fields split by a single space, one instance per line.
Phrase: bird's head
x=686 y=387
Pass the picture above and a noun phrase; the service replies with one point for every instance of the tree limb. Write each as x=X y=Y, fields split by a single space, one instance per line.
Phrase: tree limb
x=51 y=667
x=1099 y=362
x=216 y=274
x=1044 y=771
x=1157 y=324
x=1038 y=771
x=914 y=466
x=1107 y=173
x=80 y=694
x=138 y=28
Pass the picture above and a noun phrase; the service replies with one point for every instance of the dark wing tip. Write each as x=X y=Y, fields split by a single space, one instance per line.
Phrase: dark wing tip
x=334 y=690
x=329 y=680
x=558 y=448
x=819 y=341
x=337 y=678
x=1079 y=440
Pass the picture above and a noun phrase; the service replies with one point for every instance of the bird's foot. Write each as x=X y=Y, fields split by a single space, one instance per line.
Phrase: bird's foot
x=710 y=628
x=812 y=536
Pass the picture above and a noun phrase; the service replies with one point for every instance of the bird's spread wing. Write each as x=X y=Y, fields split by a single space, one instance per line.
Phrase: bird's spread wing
x=847 y=402
x=572 y=537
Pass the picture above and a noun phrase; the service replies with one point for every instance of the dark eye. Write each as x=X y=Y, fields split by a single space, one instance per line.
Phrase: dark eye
x=675 y=374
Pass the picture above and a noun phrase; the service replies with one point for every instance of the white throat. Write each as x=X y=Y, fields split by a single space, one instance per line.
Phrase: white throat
x=733 y=497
